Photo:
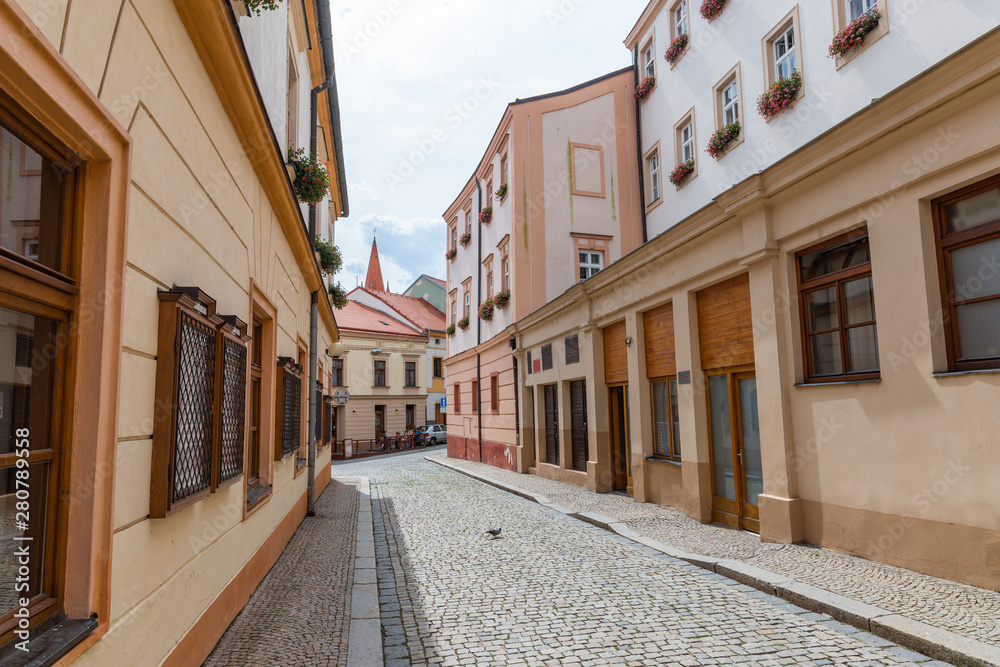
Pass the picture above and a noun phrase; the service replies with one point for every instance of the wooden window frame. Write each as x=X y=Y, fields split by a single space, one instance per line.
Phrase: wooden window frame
x=495 y=393
x=790 y=20
x=410 y=416
x=438 y=367
x=289 y=408
x=672 y=445
x=945 y=244
x=232 y=335
x=337 y=372
x=835 y=279
x=377 y=370
x=409 y=375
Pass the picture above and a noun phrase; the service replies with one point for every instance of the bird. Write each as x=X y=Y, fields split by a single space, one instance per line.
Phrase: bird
x=494 y=533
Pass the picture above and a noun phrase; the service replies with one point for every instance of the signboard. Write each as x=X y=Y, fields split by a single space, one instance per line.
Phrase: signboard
x=341 y=396
x=444 y=403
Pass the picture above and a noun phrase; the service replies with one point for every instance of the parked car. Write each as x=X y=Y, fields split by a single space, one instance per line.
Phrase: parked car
x=435 y=434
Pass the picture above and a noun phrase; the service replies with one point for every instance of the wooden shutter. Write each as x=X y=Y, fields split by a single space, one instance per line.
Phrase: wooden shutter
x=658 y=327
x=725 y=324
x=551 y=425
x=615 y=354
x=547 y=357
x=578 y=422
x=572 y=349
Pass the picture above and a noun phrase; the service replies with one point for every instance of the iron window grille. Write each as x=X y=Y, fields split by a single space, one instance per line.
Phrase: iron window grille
x=231 y=402
x=318 y=429
x=290 y=406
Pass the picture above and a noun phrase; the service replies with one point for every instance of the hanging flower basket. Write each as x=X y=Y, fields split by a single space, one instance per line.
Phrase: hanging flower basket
x=450 y=330
x=721 y=139
x=486 y=215
x=463 y=323
x=450 y=254
x=330 y=259
x=502 y=191
x=465 y=239
x=780 y=96
x=255 y=6
x=853 y=36
x=681 y=171
x=338 y=297
x=645 y=88
x=710 y=9
x=502 y=299
x=486 y=310
x=676 y=48
x=311 y=180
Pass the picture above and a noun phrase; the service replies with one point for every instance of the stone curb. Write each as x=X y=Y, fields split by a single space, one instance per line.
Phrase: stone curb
x=364 y=639
x=931 y=641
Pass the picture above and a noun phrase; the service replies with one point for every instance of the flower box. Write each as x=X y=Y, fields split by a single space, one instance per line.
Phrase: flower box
x=780 y=96
x=338 y=297
x=721 y=139
x=450 y=254
x=676 y=48
x=311 y=179
x=853 y=36
x=255 y=6
x=643 y=90
x=710 y=9
x=486 y=310
x=330 y=259
x=465 y=239
x=502 y=299
x=486 y=215
x=502 y=191
x=463 y=323
x=680 y=172
x=450 y=330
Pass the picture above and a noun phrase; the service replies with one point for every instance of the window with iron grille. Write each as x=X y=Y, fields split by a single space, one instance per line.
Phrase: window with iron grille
x=318 y=429
x=290 y=407
x=573 y=349
x=186 y=377
x=232 y=400
x=411 y=374
x=337 y=368
x=379 y=373
x=547 y=357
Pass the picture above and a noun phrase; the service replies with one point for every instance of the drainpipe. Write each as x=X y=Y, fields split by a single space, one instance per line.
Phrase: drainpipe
x=638 y=141
x=479 y=323
x=313 y=312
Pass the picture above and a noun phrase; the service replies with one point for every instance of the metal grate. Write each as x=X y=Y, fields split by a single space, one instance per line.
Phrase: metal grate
x=572 y=349
x=529 y=362
x=293 y=412
x=319 y=413
x=233 y=409
x=195 y=400
x=547 y=357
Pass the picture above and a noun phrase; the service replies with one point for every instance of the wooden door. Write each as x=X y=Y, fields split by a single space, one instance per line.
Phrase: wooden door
x=578 y=422
x=737 y=473
x=620 y=446
x=379 y=421
x=551 y=424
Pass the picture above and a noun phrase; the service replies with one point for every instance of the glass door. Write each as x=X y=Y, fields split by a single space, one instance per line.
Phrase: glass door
x=620 y=447
x=737 y=473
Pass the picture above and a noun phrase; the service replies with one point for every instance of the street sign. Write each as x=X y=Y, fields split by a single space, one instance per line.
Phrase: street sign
x=341 y=396
x=444 y=403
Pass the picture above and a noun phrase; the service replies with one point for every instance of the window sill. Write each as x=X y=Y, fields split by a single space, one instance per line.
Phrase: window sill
x=983 y=371
x=51 y=644
x=663 y=459
x=836 y=382
x=300 y=465
x=256 y=496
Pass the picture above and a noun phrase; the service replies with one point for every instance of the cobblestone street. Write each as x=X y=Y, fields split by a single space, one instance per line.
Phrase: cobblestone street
x=556 y=591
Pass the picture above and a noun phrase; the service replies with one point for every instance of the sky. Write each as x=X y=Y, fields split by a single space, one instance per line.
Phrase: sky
x=423 y=85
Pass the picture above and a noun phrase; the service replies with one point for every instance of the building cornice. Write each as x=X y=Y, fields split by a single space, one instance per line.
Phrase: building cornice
x=644 y=23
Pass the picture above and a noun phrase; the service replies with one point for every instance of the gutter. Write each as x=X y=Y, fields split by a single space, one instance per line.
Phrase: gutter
x=638 y=142
x=326 y=41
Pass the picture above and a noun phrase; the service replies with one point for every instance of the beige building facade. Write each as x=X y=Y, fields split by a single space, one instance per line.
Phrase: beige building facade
x=157 y=283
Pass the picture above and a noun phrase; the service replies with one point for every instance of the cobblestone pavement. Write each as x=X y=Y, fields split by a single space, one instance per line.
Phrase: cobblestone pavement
x=300 y=613
x=965 y=610
x=556 y=591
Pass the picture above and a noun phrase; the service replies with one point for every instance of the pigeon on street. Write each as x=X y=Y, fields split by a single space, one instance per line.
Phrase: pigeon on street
x=494 y=533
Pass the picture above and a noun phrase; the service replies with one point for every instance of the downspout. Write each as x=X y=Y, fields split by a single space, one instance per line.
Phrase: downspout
x=313 y=310
x=479 y=322
x=638 y=141
x=326 y=41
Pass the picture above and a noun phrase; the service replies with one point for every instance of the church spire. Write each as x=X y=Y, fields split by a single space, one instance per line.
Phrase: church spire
x=373 y=281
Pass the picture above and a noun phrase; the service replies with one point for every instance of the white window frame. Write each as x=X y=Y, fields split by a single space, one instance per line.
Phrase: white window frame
x=454 y=309
x=654 y=177
x=687 y=142
x=680 y=17
x=506 y=272
x=586 y=264
x=789 y=56
x=730 y=105
x=866 y=6
x=468 y=303
x=649 y=59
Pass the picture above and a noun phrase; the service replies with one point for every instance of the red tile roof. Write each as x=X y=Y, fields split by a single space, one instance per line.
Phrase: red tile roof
x=437 y=281
x=359 y=317
x=415 y=309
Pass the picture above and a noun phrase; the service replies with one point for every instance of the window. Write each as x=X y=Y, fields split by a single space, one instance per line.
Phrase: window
x=454 y=306
x=653 y=181
x=454 y=235
x=666 y=419
x=551 y=416
x=572 y=349
x=227 y=461
x=379 y=373
x=337 y=372
x=503 y=170
x=292 y=101
x=411 y=374
x=24 y=350
x=838 y=309
x=506 y=272
x=379 y=421
x=855 y=8
x=968 y=235
x=457 y=400
x=579 y=441
x=475 y=395
x=495 y=393
x=488 y=269
x=529 y=362
x=290 y=407
x=784 y=54
x=680 y=17
x=649 y=60
x=687 y=142
x=438 y=367
x=468 y=221
x=547 y=357
x=255 y=457
x=410 y=416
x=590 y=264
x=489 y=192
x=468 y=302
x=781 y=50
x=730 y=103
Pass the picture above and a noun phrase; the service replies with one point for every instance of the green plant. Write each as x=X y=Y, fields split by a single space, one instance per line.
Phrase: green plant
x=722 y=138
x=780 y=96
x=502 y=192
x=464 y=323
x=680 y=172
x=486 y=215
x=643 y=90
x=502 y=298
x=255 y=6
x=450 y=330
x=853 y=36
x=312 y=181
x=486 y=310
x=465 y=239
x=338 y=297
x=330 y=259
